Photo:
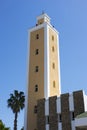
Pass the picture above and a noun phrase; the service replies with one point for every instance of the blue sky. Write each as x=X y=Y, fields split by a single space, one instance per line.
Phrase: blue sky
x=69 y=17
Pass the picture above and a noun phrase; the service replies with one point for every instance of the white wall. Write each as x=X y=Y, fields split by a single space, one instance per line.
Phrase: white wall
x=73 y=125
x=47 y=127
x=81 y=121
x=46 y=107
x=71 y=102
x=58 y=102
x=59 y=126
x=85 y=101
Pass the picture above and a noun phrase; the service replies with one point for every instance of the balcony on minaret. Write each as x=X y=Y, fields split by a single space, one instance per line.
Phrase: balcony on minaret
x=42 y=19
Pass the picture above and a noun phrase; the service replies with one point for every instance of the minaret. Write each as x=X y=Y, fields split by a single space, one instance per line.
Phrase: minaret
x=43 y=68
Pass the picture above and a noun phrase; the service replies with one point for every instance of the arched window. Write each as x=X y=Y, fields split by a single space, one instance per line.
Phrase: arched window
x=54 y=84
x=53 y=65
x=53 y=49
x=52 y=38
x=35 y=109
x=36 y=88
x=37 y=36
x=36 y=68
x=36 y=51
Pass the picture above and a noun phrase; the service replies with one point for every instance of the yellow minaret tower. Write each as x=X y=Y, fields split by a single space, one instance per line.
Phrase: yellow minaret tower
x=44 y=67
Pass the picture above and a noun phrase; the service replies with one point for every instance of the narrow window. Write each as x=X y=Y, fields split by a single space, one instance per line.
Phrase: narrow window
x=36 y=68
x=53 y=65
x=36 y=88
x=72 y=116
x=47 y=119
x=36 y=51
x=52 y=38
x=35 y=109
x=53 y=49
x=37 y=36
x=60 y=117
x=54 y=84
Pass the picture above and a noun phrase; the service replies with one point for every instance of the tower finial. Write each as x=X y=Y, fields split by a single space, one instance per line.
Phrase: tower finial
x=42 y=11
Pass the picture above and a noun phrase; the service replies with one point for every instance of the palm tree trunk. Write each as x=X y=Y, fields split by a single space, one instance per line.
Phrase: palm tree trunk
x=15 y=121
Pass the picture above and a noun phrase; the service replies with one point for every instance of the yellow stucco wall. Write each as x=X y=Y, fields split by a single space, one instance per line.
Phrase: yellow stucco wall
x=35 y=77
x=53 y=59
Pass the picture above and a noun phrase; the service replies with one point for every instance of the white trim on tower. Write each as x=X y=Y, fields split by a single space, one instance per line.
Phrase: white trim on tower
x=52 y=28
x=46 y=61
x=26 y=97
x=58 y=63
x=36 y=27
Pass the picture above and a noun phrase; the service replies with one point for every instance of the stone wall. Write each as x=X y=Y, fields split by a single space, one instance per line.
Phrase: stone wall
x=41 y=114
x=65 y=113
x=53 y=118
x=78 y=102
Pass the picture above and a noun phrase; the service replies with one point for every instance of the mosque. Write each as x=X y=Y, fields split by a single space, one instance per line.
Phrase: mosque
x=46 y=107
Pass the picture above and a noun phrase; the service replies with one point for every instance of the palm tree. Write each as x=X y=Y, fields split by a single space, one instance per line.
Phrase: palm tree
x=16 y=103
x=2 y=126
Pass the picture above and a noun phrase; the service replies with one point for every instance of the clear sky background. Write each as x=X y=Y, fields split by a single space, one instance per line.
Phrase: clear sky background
x=69 y=17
